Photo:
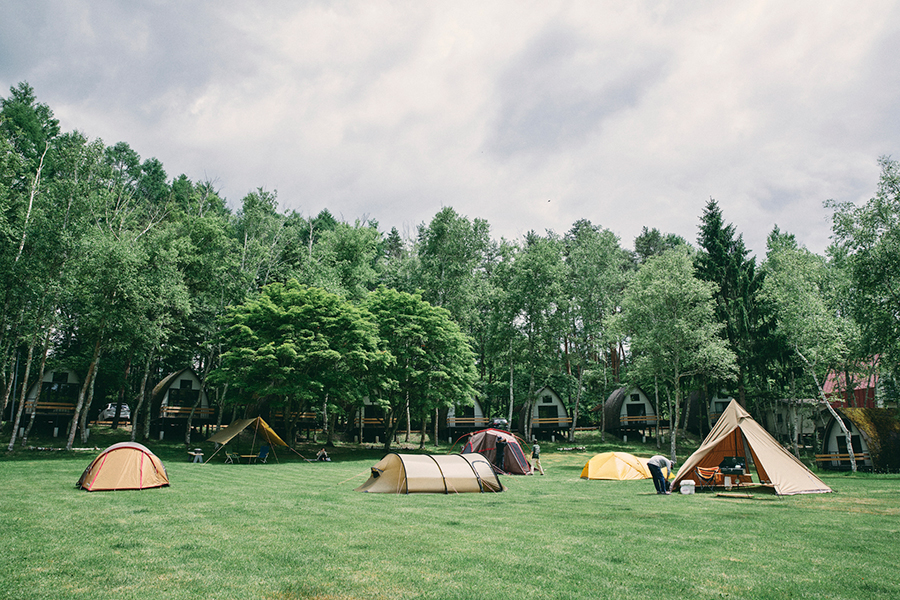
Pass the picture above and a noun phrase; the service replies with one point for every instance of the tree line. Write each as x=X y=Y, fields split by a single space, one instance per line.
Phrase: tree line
x=125 y=274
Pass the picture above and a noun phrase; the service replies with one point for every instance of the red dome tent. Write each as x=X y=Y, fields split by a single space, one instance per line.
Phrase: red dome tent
x=486 y=442
x=124 y=466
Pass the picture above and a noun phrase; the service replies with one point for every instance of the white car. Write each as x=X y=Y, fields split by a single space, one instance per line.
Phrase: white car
x=109 y=412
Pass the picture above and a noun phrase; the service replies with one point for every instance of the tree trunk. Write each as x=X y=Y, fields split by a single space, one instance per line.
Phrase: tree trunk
x=329 y=439
x=22 y=396
x=81 y=394
x=40 y=385
x=793 y=416
x=87 y=406
x=437 y=417
x=511 y=395
x=121 y=397
x=529 y=408
x=325 y=418
x=7 y=390
x=408 y=420
x=656 y=396
x=687 y=415
x=673 y=432
x=575 y=409
x=139 y=401
x=833 y=412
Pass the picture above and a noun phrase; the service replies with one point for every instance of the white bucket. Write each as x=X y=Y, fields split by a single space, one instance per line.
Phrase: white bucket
x=687 y=486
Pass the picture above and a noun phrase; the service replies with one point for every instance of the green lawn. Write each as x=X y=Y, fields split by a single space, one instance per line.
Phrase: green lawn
x=297 y=530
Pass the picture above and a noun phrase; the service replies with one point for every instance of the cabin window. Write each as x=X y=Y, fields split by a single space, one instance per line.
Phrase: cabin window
x=184 y=395
x=779 y=418
x=464 y=411
x=60 y=377
x=636 y=410
x=720 y=406
x=547 y=400
x=842 y=444
x=635 y=397
x=548 y=412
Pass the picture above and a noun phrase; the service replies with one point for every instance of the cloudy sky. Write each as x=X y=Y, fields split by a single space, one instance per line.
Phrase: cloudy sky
x=530 y=115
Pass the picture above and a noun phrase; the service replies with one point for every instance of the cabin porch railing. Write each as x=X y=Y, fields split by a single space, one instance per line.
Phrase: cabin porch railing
x=836 y=459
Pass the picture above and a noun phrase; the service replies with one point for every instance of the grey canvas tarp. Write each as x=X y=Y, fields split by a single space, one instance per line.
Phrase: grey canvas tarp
x=733 y=435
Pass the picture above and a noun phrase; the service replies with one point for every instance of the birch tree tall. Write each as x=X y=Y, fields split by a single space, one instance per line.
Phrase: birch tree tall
x=795 y=286
x=668 y=317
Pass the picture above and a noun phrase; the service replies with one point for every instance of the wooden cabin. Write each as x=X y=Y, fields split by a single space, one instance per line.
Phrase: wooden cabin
x=629 y=409
x=549 y=415
x=54 y=410
x=874 y=433
x=464 y=419
x=807 y=415
x=172 y=400
x=369 y=422
x=864 y=387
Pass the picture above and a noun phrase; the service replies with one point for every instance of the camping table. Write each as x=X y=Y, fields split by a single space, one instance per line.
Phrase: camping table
x=728 y=474
x=196 y=456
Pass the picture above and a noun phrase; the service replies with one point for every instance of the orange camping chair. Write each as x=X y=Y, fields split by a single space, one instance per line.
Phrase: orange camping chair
x=707 y=477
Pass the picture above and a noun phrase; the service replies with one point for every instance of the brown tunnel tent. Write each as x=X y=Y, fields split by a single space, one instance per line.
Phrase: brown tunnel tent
x=736 y=434
x=424 y=473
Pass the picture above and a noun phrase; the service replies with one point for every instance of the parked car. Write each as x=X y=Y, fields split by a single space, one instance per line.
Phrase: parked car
x=110 y=412
x=500 y=423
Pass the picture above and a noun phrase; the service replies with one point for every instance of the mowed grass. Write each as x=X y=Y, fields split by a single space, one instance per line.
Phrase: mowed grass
x=295 y=529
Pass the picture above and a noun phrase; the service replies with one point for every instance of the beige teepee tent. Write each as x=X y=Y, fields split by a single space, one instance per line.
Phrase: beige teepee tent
x=737 y=434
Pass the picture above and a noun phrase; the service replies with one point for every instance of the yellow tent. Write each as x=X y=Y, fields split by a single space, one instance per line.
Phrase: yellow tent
x=423 y=473
x=616 y=465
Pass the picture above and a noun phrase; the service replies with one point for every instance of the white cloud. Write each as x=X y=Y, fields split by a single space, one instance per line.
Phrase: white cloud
x=628 y=115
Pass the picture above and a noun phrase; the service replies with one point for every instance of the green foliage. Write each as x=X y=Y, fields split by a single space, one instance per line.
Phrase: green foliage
x=868 y=236
x=431 y=363
x=668 y=316
x=652 y=242
x=297 y=342
x=796 y=287
x=724 y=260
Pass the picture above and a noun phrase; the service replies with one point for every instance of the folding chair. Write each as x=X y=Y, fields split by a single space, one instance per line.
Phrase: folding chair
x=263 y=454
x=707 y=477
x=231 y=458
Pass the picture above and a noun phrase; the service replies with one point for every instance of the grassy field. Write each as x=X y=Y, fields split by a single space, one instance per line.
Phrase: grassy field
x=294 y=529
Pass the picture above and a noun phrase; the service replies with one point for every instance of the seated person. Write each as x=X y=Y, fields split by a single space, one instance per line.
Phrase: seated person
x=322 y=455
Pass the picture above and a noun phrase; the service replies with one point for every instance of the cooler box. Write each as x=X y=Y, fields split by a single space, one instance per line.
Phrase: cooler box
x=687 y=486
